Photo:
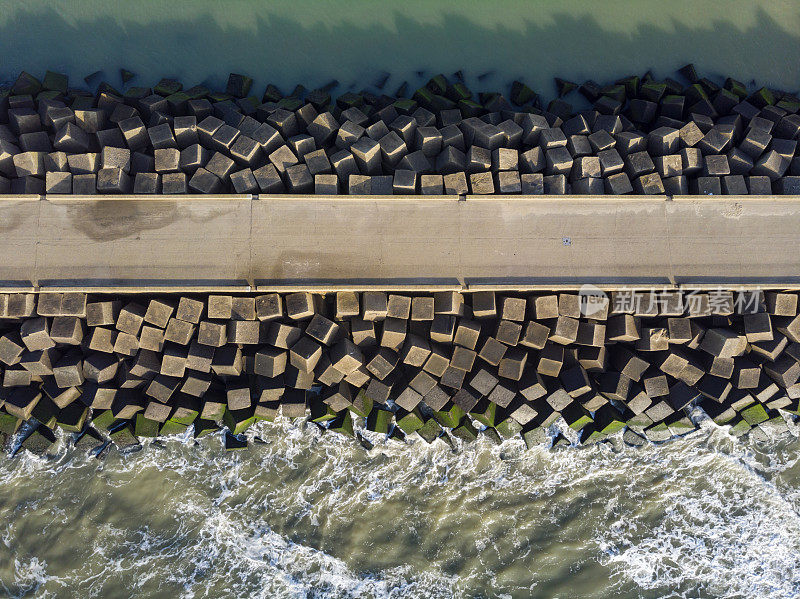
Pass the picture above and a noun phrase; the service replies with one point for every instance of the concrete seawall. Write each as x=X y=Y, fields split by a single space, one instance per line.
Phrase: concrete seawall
x=248 y=242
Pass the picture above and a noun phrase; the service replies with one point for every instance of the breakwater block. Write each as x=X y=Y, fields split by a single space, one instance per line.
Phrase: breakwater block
x=508 y=363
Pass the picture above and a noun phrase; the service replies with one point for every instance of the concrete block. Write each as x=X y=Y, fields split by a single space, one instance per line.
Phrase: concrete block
x=299 y=179
x=559 y=161
x=147 y=183
x=707 y=186
x=415 y=161
x=789 y=185
x=533 y=160
x=481 y=183
x=113 y=180
x=29 y=164
x=81 y=164
x=317 y=162
x=772 y=165
x=431 y=185
x=478 y=159
x=167 y=160
x=58 y=183
x=663 y=141
x=734 y=185
x=213 y=334
x=723 y=343
x=326 y=184
x=455 y=184
x=204 y=181
x=555 y=185
x=565 y=330
x=508 y=182
x=535 y=335
x=393 y=333
x=268 y=179
x=67 y=330
x=102 y=313
x=650 y=184
x=451 y=160
x=578 y=145
x=301 y=305
x=134 y=132
x=532 y=184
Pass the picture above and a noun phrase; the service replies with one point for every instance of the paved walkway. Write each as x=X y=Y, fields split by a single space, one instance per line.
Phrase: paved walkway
x=339 y=242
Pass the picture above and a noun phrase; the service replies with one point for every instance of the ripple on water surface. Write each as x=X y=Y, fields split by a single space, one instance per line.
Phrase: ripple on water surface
x=311 y=515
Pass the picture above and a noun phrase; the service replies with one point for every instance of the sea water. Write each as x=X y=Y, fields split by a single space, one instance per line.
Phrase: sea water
x=312 y=42
x=305 y=514
x=302 y=513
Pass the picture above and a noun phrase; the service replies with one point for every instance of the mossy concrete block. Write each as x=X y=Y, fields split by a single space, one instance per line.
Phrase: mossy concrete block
x=484 y=412
x=409 y=422
x=122 y=436
x=342 y=424
x=450 y=415
x=430 y=431
x=239 y=421
x=202 y=427
x=144 y=427
x=379 y=421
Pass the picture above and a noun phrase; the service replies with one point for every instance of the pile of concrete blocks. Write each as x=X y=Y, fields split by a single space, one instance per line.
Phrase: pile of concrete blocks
x=443 y=365
x=640 y=135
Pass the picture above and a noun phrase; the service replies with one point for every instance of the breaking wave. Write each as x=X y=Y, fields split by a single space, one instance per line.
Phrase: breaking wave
x=306 y=514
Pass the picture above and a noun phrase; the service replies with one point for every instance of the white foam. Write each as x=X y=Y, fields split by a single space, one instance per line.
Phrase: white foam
x=307 y=514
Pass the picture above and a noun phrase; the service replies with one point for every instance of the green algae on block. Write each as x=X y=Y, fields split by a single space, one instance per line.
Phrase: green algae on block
x=465 y=431
x=607 y=420
x=533 y=436
x=144 y=427
x=239 y=421
x=508 y=428
x=484 y=412
x=26 y=85
x=409 y=422
x=267 y=410
x=55 y=81
x=755 y=414
x=658 y=432
x=214 y=410
x=204 y=427
x=740 y=428
x=576 y=416
x=430 y=430
x=520 y=94
x=379 y=421
x=167 y=87
x=450 y=416
x=362 y=404
x=171 y=427
x=89 y=439
x=405 y=105
x=321 y=412
x=342 y=424
x=123 y=436
x=9 y=424
x=40 y=440
x=104 y=419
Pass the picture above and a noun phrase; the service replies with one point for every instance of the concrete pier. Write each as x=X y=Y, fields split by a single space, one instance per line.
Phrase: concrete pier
x=249 y=242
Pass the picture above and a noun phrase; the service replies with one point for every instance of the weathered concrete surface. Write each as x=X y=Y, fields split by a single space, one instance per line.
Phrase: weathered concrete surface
x=396 y=241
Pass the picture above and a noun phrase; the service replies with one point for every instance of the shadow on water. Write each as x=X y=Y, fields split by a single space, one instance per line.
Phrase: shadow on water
x=287 y=49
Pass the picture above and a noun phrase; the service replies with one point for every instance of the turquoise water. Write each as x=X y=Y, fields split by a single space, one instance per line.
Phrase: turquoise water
x=302 y=514
x=311 y=42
